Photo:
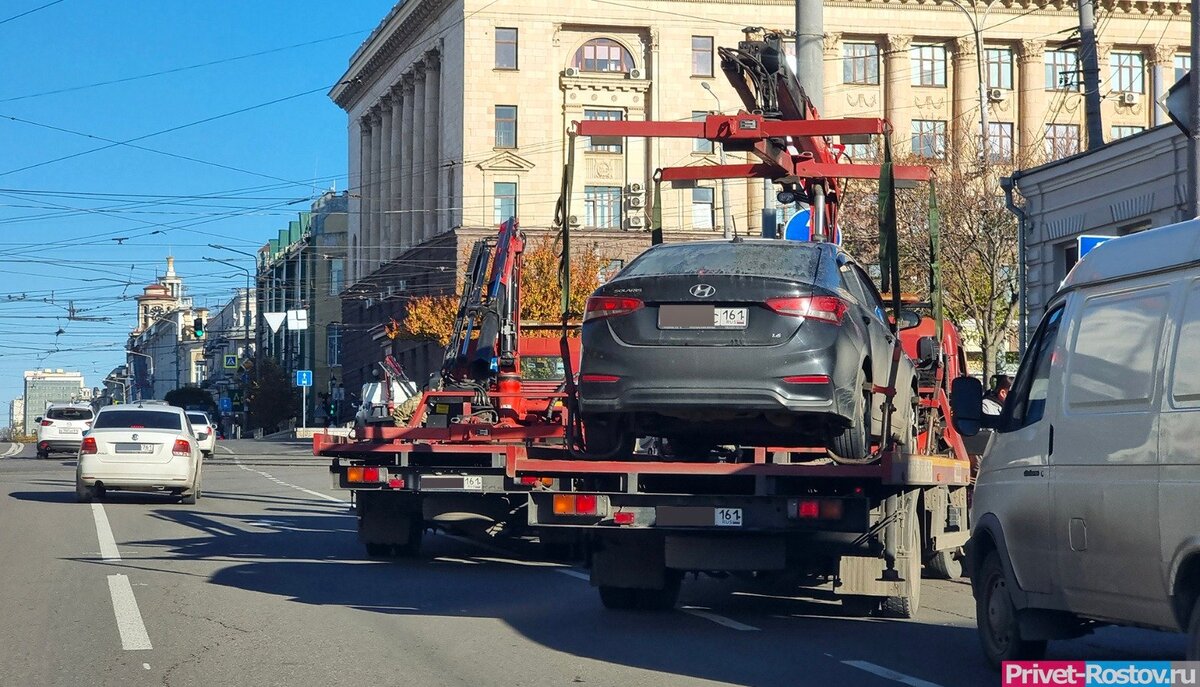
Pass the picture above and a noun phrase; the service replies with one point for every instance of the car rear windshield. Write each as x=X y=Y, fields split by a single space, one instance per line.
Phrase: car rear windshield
x=69 y=414
x=137 y=419
x=782 y=260
x=196 y=419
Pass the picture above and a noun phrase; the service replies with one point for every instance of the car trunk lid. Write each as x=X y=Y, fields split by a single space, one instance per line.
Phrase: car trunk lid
x=135 y=445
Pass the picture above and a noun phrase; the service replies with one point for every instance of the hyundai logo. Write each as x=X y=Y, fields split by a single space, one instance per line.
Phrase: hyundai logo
x=702 y=291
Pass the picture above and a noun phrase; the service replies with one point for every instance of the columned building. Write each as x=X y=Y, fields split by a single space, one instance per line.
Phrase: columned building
x=163 y=351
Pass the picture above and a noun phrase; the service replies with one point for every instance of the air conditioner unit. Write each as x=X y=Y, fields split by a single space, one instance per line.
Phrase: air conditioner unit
x=636 y=201
x=1129 y=98
x=635 y=187
x=636 y=73
x=573 y=220
x=571 y=71
x=637 y=222
x=995 y=95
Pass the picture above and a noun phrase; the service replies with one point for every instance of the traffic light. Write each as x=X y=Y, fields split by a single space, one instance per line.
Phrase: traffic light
x=198 y=327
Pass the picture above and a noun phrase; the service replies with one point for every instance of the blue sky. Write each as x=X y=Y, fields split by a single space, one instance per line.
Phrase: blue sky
x=257 y=168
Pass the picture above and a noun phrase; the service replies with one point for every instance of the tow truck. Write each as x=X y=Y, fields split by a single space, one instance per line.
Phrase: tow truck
x=446 y=465
x=862 y=532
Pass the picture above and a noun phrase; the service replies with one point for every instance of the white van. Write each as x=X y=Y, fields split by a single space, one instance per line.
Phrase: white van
x=1087 y=506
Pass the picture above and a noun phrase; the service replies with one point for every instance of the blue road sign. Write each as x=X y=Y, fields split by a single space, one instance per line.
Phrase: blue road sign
x=1087 y=242
x=303 y=377
x=798 y=228
x=226 y=404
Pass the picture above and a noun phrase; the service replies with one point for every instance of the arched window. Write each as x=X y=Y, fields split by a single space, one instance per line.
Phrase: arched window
x=603 y=55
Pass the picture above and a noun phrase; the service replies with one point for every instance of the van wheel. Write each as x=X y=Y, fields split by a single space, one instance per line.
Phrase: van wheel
x=853 y=443
x=996 y=616
x=944 y=565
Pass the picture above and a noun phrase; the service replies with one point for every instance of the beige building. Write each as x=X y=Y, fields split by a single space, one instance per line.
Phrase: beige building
x=163 y=350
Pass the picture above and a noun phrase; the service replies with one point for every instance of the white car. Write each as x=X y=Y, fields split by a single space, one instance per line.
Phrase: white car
x=61 y=429
x=205 y=431
x=140 y=448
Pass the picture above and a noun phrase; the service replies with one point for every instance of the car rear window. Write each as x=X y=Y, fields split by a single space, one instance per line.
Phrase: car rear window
x=139 y=419
x=196 y=419
x=782 y=260
x=69 y=414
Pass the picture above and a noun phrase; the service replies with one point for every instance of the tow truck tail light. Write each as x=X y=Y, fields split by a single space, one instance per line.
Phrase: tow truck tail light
x=530 y=481
x=88 y=445
x=364 y=475
x=624 y=518
x=576 y=504
x=815 y=509
x=182 y=448
x=829 y=309
x=599 y=307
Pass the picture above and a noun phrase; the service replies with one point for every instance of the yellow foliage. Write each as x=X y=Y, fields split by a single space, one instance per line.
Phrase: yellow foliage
x=431 y=317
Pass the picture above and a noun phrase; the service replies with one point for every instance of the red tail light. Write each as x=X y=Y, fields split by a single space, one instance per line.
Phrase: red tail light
x=599 y=379
x=47 y=423
x=182 y=448
x=806 y=379
x=825 y=308
x=88 y=445
x=609 y=306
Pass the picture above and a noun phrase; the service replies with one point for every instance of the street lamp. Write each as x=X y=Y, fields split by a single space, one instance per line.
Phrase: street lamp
x=979 y=68
x=727 y=212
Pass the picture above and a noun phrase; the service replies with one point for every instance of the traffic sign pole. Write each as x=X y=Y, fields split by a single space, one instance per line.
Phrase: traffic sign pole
x=304 y=407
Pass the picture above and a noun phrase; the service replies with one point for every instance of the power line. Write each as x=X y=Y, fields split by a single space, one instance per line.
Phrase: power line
x=28 y=12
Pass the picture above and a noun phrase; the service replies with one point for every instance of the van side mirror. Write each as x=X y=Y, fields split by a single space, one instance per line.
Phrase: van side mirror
x=966 y=405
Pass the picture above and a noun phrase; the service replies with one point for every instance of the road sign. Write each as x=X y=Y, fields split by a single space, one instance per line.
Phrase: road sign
x=226 y=404
x=230 y=361
x=303 y=377
x=799 y=228
x=247 y=365
x=1087 y=242
x=274 y=320
x=297 y=320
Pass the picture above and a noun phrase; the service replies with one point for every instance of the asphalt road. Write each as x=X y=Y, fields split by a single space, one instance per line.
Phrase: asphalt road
x=264 y=583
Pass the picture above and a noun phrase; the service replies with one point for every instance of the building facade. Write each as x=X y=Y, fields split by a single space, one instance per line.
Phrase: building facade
x=164 y=352
x=229 y=349
x=16 y=417
x=43 y=387
x=304 y=268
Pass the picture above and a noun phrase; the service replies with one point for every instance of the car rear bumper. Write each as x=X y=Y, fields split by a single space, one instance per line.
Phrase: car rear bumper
x=170 y=475
x=58 y=445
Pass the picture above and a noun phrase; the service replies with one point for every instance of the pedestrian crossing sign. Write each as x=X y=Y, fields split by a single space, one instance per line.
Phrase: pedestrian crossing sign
x=231 y=362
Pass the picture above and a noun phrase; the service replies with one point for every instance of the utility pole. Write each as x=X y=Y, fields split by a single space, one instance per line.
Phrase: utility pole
x=1194 y=111
x=1091 y=72
x=810 y=72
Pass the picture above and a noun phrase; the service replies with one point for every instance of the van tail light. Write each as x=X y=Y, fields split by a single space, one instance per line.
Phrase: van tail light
x=599 y=307
x=47 y=423
x=825 y=308
x=182 y=448
x=88 y=445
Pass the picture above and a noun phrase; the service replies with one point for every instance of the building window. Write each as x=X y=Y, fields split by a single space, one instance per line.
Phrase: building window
x=1123 y=131
x=1062 y=140
x=928 y=138
x=603 y=55
x=929 y=65
x=1062 y=70
x=505 y=198
x=506 y=126
x=702 y=208
x=702 y=56
x=333 y=345
x=506 y=48
x=606 y=116
x=999 y=68
x=860 y=64
x=602 y=206
x=861 y=152
x=1128 y=74
x=701 y=145
x=337 y=275
x=1183 y=65
x=1000 y=142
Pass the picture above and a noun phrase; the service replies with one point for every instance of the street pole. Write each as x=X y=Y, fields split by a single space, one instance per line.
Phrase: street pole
x=1194 y=109
x=726 y=211
x=810 y=72
x=1091 y=72
x=980 y=68
x=303 y=407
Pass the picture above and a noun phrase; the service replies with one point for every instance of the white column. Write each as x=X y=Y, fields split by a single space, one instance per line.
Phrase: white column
x=361 y=267
x=358 y=190
x=407 y=141
x=897 y=94
x=376 y=201
x=1162 y=77
x=419 y=215
x=433 y=127
x=395 y=238
x=385 y=177
x=966 y=99
x=1031 y=103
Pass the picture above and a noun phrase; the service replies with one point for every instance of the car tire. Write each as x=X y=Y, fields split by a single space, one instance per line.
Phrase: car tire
x=191 y=496
x=945 y=565
x=996 y=618
x=853 y=443
x=84 y=493
x=42 y=455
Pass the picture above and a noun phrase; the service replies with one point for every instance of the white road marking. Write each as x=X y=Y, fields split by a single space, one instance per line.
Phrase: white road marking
x=281 y=483
x=719 y=619
x=129 y=618
x=108 y=545
x=890 y=674
x=13 y=450
x=146 y=666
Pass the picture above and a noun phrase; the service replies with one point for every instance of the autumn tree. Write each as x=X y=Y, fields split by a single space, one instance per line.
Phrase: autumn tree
x=432 y=317
x=978 y=245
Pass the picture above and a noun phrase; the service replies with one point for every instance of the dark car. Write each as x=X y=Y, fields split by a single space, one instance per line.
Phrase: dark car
x=745 y=342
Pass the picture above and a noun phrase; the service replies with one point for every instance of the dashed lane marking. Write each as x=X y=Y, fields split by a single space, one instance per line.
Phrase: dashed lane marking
x=129 y=618
x=281 y=483
x=108 y=545
x=890 y=674
x=719 y=619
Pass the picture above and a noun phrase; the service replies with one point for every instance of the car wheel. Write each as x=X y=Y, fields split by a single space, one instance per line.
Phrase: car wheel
x=945 y=565
x=996 y=617
x=853 y=443
x=191 y=496
x=84 y=493
x=42 y=455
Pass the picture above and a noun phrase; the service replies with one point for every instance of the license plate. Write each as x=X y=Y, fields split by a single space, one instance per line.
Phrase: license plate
x=122 y=447
x=727 y=517
x=68 y=430
x=701 y=317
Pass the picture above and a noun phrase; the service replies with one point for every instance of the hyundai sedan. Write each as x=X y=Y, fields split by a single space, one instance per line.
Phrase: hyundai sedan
x=745 y=342
x=139 y=448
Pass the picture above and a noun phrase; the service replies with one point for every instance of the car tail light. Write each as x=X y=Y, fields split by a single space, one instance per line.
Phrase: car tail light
x=576 y=504
x=182 y=447
x=609 y=306
x=599 y=379
x=825 y=308
x=807 y=379
x=47 y=423
x=88 y=445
